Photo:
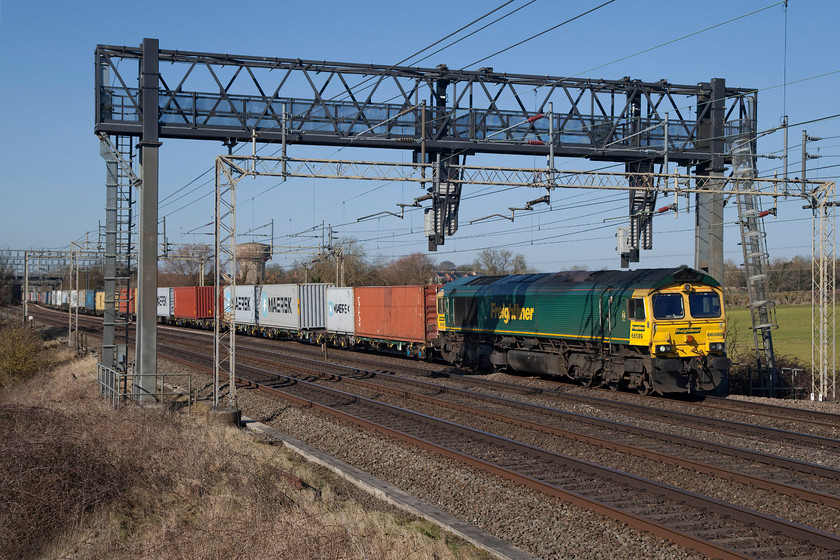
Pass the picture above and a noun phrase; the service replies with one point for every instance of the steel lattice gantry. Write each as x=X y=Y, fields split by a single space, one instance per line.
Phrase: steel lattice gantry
x=441 y=115
x=433 y=112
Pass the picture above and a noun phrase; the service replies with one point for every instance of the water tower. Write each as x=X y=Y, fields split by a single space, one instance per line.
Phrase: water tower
x=252 y=258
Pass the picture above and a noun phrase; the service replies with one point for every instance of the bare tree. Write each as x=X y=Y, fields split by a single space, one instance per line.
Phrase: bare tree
x=275 y=274
x=184 y=264
x=500 y=262
x=416 y=268
x=347 y=254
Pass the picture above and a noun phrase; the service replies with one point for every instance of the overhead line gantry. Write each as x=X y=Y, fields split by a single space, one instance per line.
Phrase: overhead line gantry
x=441 y=115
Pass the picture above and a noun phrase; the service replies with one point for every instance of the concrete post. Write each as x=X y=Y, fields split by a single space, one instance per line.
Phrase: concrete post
x=146 y=343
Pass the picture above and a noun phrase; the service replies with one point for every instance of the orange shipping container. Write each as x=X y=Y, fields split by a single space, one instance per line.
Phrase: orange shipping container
x=193 y=302
x=125 y=303
x=407 y=313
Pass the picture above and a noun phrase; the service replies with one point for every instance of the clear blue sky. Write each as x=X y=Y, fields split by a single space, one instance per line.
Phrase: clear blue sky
x=52 y=184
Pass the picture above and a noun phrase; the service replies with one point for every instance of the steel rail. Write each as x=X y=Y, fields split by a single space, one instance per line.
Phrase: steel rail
x=815 y=417
x=631 y=520
x=773 y=460
x=729 y=474
x=793 y=465
x=791 y=530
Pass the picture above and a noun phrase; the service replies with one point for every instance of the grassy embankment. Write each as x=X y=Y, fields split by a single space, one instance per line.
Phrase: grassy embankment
x=81 y=480
x=792 y=338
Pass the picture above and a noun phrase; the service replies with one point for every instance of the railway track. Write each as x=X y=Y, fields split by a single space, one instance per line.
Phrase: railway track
x=716 y=528
x=700 y=456
x=804 y=421
x=708 y=525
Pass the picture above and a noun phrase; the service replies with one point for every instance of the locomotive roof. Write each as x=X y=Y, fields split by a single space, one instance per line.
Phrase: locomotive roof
x=649 y=278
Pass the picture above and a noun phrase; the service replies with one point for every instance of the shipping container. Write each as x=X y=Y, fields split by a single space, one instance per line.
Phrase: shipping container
x=396 y=313
x=295 y=307
x=90 y=300
x=73 y=300
x=340 y=310
x=126 y=300
x=244 y=304
x=313 y=308
x=193 y=302
x=99 y=306
x=165 y=305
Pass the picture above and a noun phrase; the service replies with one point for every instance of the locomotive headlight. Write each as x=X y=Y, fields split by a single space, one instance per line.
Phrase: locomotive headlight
x=717 y=346
x=663 y=348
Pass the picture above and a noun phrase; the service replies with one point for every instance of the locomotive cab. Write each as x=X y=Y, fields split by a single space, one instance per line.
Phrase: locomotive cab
x=686 y=339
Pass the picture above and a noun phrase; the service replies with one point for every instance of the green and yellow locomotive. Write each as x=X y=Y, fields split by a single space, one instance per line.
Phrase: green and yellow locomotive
x=655 y=330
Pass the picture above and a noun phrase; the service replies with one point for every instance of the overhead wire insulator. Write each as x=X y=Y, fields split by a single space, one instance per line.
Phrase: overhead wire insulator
x=536 y=142
x=767 y=213
x=536 y=117
x=665 y=209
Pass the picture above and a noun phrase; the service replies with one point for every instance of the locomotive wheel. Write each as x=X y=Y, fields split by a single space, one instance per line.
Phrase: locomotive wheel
x=644 y=388
x=592 y=380
x=614 y=385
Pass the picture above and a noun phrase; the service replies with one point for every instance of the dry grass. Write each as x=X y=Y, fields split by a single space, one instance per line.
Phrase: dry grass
x=80 y=480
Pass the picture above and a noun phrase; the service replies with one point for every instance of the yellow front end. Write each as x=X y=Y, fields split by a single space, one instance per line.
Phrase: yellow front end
x=683 y=328
x=687 y=322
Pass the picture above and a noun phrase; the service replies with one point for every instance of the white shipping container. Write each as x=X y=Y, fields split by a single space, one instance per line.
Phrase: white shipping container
x=73 y=300
x=340 y=310
x=244 y=305
x=293 y=306
x=279 y=306
x=165 y=302
x=313 y=305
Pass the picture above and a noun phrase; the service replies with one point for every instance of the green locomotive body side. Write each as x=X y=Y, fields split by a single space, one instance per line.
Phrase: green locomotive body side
x=576 y=305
